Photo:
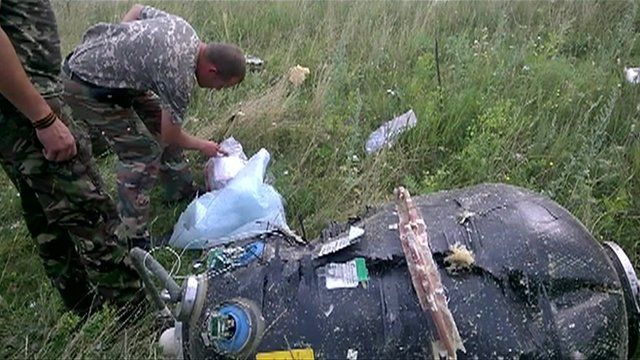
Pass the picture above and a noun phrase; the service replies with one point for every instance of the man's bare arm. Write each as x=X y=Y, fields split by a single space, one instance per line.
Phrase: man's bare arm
x=133 y=14
x=58 y=142
x=15 y=85
x=173 y=134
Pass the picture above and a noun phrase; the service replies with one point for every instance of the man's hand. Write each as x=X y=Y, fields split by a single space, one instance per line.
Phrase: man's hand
x=171 y=133
x=59 y=144
x=211 y=149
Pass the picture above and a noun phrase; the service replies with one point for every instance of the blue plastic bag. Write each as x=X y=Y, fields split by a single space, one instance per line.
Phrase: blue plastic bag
x=245 y=207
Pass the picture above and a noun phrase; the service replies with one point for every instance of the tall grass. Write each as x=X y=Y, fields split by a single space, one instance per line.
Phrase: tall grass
x=532 y=94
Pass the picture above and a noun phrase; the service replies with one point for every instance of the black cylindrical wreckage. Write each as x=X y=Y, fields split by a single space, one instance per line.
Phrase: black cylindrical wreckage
x=522 y=277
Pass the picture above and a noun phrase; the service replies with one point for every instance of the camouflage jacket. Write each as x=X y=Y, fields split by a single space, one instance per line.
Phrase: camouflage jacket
x=31 y=27
x=158 y=52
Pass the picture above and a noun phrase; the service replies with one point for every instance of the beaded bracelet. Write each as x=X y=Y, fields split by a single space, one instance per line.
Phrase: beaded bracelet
x=46 y=121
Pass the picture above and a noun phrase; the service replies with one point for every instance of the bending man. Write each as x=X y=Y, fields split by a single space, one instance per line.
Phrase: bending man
x=132 y=81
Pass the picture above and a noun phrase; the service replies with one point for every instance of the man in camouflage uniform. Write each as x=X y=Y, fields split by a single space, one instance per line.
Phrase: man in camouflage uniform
x=47 y=157
x=132 y=81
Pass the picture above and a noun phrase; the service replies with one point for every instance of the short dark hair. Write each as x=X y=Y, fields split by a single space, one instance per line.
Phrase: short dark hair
x=228 y=59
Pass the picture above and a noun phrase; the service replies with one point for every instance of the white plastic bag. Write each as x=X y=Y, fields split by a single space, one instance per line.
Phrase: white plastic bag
x=245 y=207
x=219 y=170
x=387 y=134
x=632 y=75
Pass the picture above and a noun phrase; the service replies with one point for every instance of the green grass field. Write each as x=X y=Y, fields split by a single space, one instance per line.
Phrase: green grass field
x=532 y=94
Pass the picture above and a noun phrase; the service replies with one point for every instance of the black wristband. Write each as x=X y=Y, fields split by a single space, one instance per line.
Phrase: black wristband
x=46 y=121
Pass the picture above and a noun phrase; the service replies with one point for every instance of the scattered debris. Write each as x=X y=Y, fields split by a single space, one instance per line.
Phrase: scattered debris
x=342 y=242
x=297 y=74
x=632 y=75
x=225 y=258
x=254 y=63
x=466 y=215
x=460 y=259
x=329 y=311
x=393 y=226
x=352 y=354
x=387 y=134
x=345 y=275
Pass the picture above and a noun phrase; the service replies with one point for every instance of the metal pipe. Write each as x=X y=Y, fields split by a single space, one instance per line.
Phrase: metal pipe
x=145 y=262
x=151 y=288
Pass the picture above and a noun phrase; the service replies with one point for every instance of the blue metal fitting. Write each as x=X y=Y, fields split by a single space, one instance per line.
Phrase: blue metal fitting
x=241 y=332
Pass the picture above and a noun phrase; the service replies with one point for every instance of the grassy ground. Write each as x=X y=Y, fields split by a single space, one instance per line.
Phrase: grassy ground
x=532 y=94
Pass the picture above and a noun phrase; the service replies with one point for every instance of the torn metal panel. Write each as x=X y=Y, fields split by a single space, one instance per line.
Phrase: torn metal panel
x=334 y=245
x=540 y=286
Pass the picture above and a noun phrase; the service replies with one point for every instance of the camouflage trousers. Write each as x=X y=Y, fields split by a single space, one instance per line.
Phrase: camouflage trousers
x=68 y=213
x=132 y=127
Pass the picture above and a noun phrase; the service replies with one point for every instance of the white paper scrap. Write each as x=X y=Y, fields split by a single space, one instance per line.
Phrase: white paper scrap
x=339 y=276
